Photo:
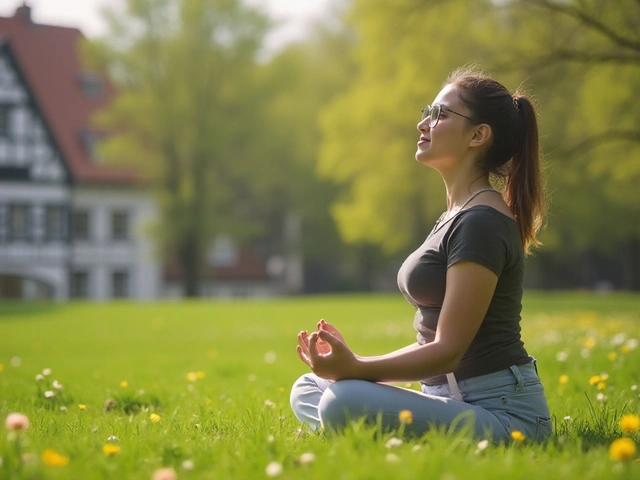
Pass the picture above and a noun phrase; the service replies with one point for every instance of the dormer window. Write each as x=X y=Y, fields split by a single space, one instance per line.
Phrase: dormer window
x=91 y=84
x=91 y=142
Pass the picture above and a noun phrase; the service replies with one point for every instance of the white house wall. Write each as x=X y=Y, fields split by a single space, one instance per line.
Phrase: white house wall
x=101 y=255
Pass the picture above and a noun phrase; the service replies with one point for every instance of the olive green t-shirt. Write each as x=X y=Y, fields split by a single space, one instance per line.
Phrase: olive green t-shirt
x=483 y=235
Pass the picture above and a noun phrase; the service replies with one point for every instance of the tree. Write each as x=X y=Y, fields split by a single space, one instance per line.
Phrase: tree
x=186 y=74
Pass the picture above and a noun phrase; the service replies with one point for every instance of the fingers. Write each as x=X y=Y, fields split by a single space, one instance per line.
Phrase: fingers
x=303 y=342
x=303 y=356
x=313 y=346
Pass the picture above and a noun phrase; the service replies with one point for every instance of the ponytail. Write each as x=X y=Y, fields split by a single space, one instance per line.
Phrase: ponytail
x=523 y=191
x=513 y=157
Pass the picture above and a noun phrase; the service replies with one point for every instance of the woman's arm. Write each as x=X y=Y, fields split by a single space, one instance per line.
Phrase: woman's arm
x=469 y=291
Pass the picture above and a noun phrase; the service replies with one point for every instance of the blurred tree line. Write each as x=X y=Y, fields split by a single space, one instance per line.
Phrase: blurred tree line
x=237 y=142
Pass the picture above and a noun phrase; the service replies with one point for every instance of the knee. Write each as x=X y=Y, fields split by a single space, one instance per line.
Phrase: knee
x=307 y=384
x=338 y=404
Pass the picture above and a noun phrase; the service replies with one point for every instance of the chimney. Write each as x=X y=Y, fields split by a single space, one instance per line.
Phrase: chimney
x=24 y=12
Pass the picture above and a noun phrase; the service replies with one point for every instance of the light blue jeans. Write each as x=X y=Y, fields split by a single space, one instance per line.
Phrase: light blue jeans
x=494 y=405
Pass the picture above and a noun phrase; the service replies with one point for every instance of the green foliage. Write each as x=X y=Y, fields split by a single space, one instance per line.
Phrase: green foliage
x=233 y=418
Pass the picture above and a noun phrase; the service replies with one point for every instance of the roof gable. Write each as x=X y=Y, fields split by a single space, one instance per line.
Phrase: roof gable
x=48 y=58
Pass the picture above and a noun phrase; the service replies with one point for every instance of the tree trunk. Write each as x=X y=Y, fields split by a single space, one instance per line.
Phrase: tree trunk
x=190 y=266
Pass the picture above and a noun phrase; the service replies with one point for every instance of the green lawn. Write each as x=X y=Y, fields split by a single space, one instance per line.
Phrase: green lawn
x=231 y=417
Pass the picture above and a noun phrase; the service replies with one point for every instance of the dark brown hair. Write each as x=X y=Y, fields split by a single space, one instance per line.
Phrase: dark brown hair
x=514 y=153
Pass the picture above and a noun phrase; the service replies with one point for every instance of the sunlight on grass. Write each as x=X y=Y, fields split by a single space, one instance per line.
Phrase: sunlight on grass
x=200 y=390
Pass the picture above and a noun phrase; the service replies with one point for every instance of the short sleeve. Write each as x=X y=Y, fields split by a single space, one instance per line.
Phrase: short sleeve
x=479 y=236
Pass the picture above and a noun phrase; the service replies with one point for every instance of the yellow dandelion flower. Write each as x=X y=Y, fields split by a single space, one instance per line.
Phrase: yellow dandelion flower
x=625 y=349
x=51 y=458
x=629 y=423
x=124 y=384
x=192 y=376
x=82 y=406
x=601 y=386
x=405 y=416
x=109 y=449
x=590 y=342
x=563 y=379
x=622 y=449
x=154 y=417
x=612 y=356
x=518 y=436
x=595 y=380
x=1 y=367
x=200 y=375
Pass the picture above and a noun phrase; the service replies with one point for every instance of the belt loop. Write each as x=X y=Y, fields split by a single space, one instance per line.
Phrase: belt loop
x=535 y=364
x=454 y=390
x=516 y=373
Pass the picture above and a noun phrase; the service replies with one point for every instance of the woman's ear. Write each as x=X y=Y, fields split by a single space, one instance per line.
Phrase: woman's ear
x=481 y=135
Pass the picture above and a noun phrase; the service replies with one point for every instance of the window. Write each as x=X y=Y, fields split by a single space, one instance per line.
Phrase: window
x=91 y=143
x=120 y=225
x=19 y=222
x=120 y=284
x=55 y=222
x=91 y=84
x=79 y=284
x=4 y=121
x=81 y=229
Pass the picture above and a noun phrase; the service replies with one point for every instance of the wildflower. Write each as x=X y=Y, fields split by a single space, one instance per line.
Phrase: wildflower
x=281 y=389
x=49 y=394
x=518 y=436
x=110 y=450
x=39 y=377
x=415 y=448
x=563 y=379
x=112 y=438
x=595 y=380
x=612 y=356
x=17 y=421
x=269 y=403
x=405 y=416
x=63 y=408
x=632 y=343
x=601 y=386
x=393 y=442
x=482 y=446
x=200 y=374
x=192 y=376
x=562 y=356
x=270 y=357
x=634 y=388
x=16 y=361
x=625 y=349
x=590 y=342
x=274 y=469
x=252 y=377
x=622 y=449
x=1 y=367
x=51 y=458
x=154 y=417
x=629 y=423
x=568 y=418
x=82 y=406
x=165 y=474
x=124 y=384
x=270 y=439
x=392 y=458
x=604 y=377
x=188 y=465
x=601 y=397
x=46 y=372
x=307 y=458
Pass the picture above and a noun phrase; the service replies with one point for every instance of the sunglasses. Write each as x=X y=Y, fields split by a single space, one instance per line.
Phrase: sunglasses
x=432 y=112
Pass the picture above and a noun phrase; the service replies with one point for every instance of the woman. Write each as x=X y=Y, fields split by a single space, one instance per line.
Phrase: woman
x=465 y=281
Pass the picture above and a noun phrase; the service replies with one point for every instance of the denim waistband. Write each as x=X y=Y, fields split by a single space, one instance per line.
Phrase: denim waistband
x=520 y=373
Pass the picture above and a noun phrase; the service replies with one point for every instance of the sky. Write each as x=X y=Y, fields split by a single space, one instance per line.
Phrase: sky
x=293 y=16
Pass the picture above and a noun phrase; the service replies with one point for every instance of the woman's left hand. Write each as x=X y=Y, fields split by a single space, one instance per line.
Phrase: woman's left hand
x=336 y=363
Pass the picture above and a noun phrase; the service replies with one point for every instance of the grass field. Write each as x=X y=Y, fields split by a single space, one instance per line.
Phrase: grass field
x=203 y=388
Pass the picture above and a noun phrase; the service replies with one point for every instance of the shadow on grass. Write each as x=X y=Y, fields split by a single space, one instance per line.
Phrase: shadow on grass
x=13 y=308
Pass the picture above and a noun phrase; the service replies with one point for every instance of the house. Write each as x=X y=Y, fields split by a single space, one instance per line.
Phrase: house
x=71 y=227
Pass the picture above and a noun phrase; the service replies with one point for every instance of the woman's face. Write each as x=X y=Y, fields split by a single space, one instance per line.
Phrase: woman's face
x=442 y=146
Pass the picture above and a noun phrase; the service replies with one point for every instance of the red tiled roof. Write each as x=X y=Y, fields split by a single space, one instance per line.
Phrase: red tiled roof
x=49 y=60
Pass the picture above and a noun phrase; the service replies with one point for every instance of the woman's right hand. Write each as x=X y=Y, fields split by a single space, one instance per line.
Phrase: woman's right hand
x=323 y=325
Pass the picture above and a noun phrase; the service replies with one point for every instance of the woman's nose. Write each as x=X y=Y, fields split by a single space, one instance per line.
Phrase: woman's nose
x=423 y=125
